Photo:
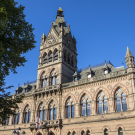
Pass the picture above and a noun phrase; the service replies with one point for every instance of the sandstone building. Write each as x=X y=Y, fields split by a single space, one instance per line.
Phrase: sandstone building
x=99 y=100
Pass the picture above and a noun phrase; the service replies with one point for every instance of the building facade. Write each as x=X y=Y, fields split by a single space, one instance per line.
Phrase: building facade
x=99 y=100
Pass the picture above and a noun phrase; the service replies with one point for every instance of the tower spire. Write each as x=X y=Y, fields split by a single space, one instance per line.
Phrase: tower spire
x=60 y=12
x=129 y=59
x=128 y=53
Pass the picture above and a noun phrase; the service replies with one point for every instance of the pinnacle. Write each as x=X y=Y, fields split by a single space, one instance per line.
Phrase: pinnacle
x=128 y=53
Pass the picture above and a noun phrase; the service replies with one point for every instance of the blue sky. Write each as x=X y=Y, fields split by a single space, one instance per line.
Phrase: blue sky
x=103 y=30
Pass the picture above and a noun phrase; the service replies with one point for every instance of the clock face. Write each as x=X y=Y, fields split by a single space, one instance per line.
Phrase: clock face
x=51 y=40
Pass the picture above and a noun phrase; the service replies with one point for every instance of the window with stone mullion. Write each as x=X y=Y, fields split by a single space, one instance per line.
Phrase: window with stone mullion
x=27 y=115
x=120 y=101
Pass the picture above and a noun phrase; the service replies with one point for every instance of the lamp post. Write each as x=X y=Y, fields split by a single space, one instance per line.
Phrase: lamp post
x=18 y=132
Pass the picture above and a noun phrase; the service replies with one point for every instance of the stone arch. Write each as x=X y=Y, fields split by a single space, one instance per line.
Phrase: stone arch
x=51 y=133
x=52 y=99
x=67 y=96
x=88 y=129
x=39 y=75
x=106 y=127
x=39 y=132
x=39 y=102
x=69 y=131
x=119 y=85
x=73 y=132
x=24 y=105
x=98 y=91
x=119 y=126
x=82 y=93
x=53 y=68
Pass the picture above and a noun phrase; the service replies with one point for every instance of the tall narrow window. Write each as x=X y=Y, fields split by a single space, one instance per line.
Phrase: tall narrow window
x=83 y=108
x=120 y=101
x=55 y=55
x=85 y=105
x=45 y=59
x=88 y=107
x=88 y=132
x=44 y=80
x=105 y=132
x=17 y=117
x=41 y=112
x=105 y=105
x=53 y=111
x=102 y=104
x=120 y=132
x=74 y=133
x=68 y=58
x=70 y=108
x=27 y=115
x=124 y=102
x=72 y=61
x=53 y=78
x=83 y=133
x=69 y=133
x=65 y=56
x=7 y=120
x=50 y=56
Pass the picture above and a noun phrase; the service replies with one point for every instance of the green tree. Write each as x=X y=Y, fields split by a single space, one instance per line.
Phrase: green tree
x=16 y=38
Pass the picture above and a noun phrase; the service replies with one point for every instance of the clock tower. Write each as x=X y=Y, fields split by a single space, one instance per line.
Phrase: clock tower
x=58 y=54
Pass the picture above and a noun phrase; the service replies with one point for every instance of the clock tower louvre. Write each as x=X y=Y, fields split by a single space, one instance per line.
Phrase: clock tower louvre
x=58 y=54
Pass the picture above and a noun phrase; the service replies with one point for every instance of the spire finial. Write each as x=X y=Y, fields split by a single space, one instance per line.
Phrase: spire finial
x=128 y=53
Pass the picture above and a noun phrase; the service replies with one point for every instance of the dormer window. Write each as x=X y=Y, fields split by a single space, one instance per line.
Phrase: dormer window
x=89 y=75
x=75 y=79
x=106 y=71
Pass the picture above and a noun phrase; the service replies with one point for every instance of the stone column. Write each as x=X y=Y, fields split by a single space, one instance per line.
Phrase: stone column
x=77 y=110
x=21 y=117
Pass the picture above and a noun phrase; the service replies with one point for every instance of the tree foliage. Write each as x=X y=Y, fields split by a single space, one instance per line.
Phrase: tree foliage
x=16 y=38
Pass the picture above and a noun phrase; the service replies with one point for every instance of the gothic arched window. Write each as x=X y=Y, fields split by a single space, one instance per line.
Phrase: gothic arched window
x=69 y=133
x=27 y=114
x=105 y=132
x=102 y=104
x=44 y=80
x=120 y=101
x=85 y=106
x=53 y=78
x=42 y=112
x=52 y=111
x=17 y=117
x=74 y=133
x=88 y=132
x=55 y=54
x=82 y=133
x=50 y=56
x=45 y=58
x=70 y=108
x=120 y=132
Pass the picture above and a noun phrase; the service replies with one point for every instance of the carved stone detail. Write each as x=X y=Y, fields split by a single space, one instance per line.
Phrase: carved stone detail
x=109 y=87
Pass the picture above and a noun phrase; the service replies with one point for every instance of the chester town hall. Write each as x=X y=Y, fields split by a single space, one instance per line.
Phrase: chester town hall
x=99 y=100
